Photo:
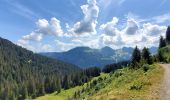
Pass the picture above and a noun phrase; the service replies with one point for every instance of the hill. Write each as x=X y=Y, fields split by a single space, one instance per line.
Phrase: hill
x=26 y=74
x=124 y=84
x=88 y=57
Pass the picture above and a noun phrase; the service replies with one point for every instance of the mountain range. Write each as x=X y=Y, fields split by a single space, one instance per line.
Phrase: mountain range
x=87 y=57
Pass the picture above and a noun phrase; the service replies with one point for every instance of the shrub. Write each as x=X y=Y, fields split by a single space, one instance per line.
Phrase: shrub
x=136 y=86
x=145 y=67
x=118 y=74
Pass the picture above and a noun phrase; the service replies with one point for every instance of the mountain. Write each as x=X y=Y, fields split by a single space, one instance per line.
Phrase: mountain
x=13 y=53
x=24 y=73
x=153 y=50
x=81 y=56
x=87 y=57
x=107 y=51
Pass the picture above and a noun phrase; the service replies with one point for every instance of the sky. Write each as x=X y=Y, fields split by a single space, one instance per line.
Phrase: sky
x=60 y=25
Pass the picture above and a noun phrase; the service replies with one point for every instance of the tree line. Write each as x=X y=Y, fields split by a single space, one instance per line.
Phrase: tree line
x=163 y=42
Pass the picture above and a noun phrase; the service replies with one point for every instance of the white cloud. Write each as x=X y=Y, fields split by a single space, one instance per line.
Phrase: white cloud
x=63 y=46
x=44 y=27
x=42 y=23
x=46 y=48
x=49 y=28
x=33 y=40
x=37 y=46
x=132 y=27
x=88 y=24
x=33 y=36
x=109 y=28
x=134 y=33
x=162 y=18
x=153 y=29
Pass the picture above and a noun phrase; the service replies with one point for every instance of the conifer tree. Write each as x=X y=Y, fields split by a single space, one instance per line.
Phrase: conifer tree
x=160 y=56
x=146 y=56
x=66 y=82
x=168 y=35
x=162 y=42
x=136 y=57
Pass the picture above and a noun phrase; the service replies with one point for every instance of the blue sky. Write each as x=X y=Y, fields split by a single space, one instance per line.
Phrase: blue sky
x=59 y=25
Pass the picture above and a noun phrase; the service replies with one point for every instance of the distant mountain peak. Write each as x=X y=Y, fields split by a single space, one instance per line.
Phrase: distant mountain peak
x=80 y=48
x=106 y=48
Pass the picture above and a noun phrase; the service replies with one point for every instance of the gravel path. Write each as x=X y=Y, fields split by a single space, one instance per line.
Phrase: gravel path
x=165 y=93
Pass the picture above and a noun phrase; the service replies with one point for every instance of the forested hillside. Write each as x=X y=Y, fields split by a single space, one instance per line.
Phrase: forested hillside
x=24 y=74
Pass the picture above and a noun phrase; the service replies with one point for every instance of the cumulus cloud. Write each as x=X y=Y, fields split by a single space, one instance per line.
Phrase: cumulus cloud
x=49 y=28
x=44 y=28
x=33 y=36
x=132 y=27
x=109 y=28
x=112 y=41
x=134 y=33
x=88 y=24
x=153 y=29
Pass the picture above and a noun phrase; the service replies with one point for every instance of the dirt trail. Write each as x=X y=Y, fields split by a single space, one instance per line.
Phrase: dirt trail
x=165 y=93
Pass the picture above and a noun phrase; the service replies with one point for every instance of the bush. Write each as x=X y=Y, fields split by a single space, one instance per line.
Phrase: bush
x=136 y=86
x=118 y=74
x=145 y=67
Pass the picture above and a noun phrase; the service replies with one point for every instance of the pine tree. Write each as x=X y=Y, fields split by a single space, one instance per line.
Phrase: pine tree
x=146 y=56
x=168 y=35
x=58 y=85
x=41 y=89
x=136 y=57
x=31 y=88
x=23 y=92
x=162 y=42
x=160 y=56
x=66 y=82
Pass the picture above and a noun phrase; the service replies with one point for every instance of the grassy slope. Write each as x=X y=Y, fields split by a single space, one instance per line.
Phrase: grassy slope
x=133 y=85
x=66 y=94
x=166 y=52
x=125 y=84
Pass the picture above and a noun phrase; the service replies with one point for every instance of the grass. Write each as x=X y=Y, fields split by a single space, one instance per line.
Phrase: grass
x=124 y=84
x=166 y=52
x=63 y=95
x=133 y=85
